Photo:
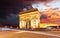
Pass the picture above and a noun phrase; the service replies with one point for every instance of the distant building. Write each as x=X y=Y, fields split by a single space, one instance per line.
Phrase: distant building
x=29 y=19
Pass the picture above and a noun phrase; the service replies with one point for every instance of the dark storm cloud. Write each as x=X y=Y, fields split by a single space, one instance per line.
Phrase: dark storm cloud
x=10 y=6
x=12 y=19
x=43 y=16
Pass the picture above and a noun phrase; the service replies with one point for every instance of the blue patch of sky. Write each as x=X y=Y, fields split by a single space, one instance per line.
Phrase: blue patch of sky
x=41 y=7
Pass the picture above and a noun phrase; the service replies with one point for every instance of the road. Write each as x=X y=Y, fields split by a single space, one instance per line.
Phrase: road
x=29 y=34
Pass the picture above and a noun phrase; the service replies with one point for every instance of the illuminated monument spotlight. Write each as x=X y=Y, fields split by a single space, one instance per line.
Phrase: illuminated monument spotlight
x=29 y=19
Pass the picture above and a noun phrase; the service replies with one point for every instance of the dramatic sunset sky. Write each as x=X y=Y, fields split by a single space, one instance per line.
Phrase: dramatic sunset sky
x=50 y=11
x=9 y=9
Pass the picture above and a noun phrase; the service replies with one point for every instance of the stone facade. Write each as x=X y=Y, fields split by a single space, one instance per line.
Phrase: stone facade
x=29 y=19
